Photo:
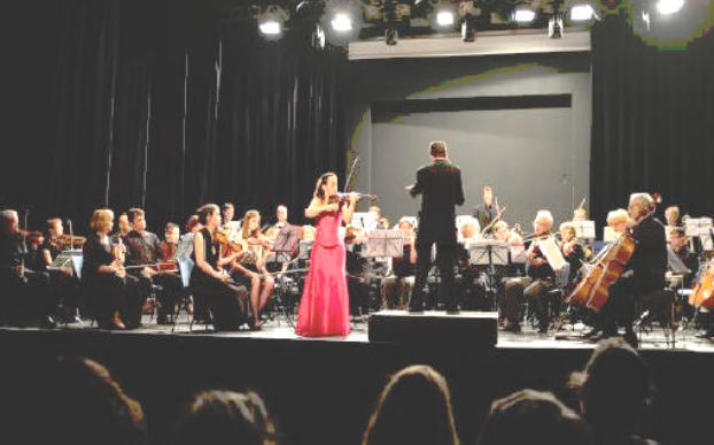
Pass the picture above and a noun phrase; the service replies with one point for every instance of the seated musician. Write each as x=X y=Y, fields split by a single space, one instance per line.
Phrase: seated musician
x=124 y=227
x=143 y=248
x=25 y=292
x=383 y=223
x=572 y=250
x=185 y=245
x=396 y=288
x=209 y=281
x=63 y=282
x=534 y=287
x=618 y=220
x=644 y=273
x=680 y=246
x=230 y=227
x=503 y=233
x=114 y=295
x=250 y=267
x=358 y=284
x=469 y=231
x=671 y=214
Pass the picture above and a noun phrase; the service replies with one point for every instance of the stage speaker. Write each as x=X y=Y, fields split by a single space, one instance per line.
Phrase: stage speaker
x=469 y=329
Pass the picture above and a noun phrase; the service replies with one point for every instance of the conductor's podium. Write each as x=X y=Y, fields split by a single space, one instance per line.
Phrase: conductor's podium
x=465 y=329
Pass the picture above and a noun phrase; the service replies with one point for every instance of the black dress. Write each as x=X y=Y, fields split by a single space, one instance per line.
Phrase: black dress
x=65 y=288
x=227 y=302
x=108 y=292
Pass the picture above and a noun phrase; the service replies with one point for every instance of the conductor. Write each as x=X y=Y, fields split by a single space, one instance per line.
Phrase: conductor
x=439 y=183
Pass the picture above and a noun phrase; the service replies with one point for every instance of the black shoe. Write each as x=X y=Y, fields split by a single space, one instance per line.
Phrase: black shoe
x=543 y=329
x=631 y=338
x=512 y=327
x=453 y=310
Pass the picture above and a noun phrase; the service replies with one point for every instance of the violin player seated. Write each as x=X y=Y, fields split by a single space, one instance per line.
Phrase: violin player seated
x=534 y=287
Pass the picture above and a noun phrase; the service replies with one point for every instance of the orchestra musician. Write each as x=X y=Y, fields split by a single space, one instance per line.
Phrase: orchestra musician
x=25 y=292
x=124 y=227
x=471 y=275
x=503 y=233
x=250 y=267
x=358 y=284
x=671 y=215
x=209 y=281
x=618 y=220
x=63 y=282
x=571 y=249
x=185 y=245
x=680 y=246
x=143 y=248
x=486 y=211
x=535 y=285
x=230 y=227
x=398 y=285
x=441 y=188
x=116 y=298
x=644 y=273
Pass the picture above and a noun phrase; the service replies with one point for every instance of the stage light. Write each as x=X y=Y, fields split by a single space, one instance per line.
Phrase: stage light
x=581 y=13
x=341 y=22
x=524 y=15
x=270 y=27
x=666 y=7
x=445 y=18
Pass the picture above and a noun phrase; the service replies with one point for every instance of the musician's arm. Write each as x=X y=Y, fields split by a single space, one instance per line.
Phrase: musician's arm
x=349 y=209
x=419 y=186
x=316 y=207
x=47 y=257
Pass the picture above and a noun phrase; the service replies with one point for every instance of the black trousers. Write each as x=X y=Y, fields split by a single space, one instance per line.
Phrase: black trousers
x=65 y=289
x=168 y=296
x=445 y=260
x=227 y=302
x=619 y=309
x=109 y=293
x=26 y=299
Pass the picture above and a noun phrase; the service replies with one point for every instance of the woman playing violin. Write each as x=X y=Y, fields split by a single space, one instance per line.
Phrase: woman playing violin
x=250 y=265
x=63 y=281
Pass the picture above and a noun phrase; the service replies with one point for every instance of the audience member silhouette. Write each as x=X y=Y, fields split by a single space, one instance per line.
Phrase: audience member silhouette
x=535 y=417
x=414 y=408
x=226 y=417
x=614 y=390
x=85 y=405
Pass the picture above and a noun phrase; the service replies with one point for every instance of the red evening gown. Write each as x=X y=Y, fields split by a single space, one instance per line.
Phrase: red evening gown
x=325 y=308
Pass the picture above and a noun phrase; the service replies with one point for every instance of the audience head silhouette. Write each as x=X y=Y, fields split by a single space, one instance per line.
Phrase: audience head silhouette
x=414 y=408
x=226 y=417
x=536 y=417
x=614 y=390
x=86 y=406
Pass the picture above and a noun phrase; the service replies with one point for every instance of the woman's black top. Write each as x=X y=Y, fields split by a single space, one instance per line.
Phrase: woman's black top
x=210 y=254
x=95 y=254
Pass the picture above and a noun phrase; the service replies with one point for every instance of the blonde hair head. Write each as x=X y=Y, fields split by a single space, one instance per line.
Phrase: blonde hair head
x=101 y=219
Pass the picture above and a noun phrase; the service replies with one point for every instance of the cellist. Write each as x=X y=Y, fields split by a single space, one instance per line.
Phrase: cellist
x=645 y=271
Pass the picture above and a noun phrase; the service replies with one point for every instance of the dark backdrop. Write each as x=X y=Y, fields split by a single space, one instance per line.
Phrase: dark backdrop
x=653 y=120
x=163 y=105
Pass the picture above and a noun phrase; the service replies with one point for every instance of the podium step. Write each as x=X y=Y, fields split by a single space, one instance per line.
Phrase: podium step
x=471 y=329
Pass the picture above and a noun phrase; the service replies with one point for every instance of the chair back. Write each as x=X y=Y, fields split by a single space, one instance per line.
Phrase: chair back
x=185 y=268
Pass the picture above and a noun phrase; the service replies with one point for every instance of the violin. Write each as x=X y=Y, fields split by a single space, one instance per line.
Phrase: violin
x=63 y=241
x=232 y=246
x=340 y=197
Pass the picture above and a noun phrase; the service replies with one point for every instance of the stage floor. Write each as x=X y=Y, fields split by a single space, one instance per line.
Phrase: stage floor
x=570 y=337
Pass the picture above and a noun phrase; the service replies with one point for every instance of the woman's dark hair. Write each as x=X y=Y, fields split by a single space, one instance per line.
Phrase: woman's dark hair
x=205 y=211
x=226 y=417
x=414 y=408
x=319 y=192
x=536 y=417
x=191 y=223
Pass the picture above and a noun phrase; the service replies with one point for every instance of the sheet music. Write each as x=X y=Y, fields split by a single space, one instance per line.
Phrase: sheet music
x=384 y=243
x=552 y=253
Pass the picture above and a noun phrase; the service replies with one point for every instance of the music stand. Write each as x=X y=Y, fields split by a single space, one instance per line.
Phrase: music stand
x=488 y=253
x=384 y=243
x=286 y=243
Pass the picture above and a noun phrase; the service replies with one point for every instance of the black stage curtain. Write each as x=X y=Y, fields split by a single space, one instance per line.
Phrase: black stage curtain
x=166 y=105
x=653 y=120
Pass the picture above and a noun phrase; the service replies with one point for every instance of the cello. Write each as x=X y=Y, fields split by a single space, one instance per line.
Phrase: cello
x=593 y=290
x=703 y=294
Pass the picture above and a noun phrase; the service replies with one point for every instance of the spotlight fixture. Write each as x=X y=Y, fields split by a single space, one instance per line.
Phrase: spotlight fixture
x=581 y=13
x=444 y=18
x=666 y=7
x=270 y=27
x=341 y=22
x=523 y=15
